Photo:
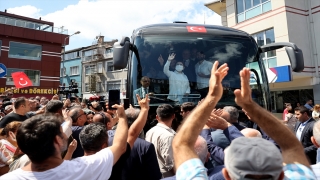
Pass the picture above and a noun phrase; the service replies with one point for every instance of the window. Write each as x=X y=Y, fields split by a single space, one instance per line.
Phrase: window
x=25 y=51
x=86 y=87
x=34 y=76
x=109 y=52
x=74 y=70
x=247 y=9
x=100 y=67
x=90 y=69
x=71 y=55
x=263 y=38
x=113 y=85
x=62 y=72
x=110 y=66
x=88 y=55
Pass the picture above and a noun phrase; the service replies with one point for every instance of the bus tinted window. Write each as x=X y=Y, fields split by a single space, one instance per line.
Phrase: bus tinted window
x=178 y=67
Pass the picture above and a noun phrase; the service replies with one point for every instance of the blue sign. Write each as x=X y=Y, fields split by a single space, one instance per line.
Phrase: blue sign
x=279 y=74
x=3 y=70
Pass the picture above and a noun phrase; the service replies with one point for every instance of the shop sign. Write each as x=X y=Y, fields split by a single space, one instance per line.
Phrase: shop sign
x=31 y=90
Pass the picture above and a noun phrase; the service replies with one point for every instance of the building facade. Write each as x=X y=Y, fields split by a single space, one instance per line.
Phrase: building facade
x=269 y=21
x=31 y=46
x=98 y=75
x=71 y=68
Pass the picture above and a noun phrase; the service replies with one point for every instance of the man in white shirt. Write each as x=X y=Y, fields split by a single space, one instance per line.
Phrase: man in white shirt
x=161 y=137
x=316 y=141
x=178 y=81
x=42 y=139
x=203 y=72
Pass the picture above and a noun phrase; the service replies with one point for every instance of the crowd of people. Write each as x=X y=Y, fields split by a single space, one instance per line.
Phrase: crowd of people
x=54 y=139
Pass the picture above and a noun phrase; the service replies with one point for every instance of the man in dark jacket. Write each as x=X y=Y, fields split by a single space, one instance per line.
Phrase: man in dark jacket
x=304 y=131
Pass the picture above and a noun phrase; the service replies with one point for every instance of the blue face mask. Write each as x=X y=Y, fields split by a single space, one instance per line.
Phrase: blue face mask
x=179 y=68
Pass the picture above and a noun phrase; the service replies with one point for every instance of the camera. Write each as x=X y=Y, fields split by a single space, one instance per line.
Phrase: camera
x=68 y=91
x=100 y=100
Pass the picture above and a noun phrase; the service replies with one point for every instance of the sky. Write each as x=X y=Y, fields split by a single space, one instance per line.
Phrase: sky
x=111 y=18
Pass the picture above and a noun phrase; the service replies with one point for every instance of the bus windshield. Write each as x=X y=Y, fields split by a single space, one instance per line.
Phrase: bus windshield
x=176 y=68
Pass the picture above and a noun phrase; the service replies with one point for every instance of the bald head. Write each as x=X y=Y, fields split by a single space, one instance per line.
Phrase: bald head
x=103 y=118
x=201 y=149
x=316 y=133
x=249 y=132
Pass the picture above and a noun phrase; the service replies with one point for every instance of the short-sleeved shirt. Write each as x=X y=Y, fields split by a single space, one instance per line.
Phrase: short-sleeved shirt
x=161 y=137
x=308 y=106
x=192 y=169
x=12 y=117
x=97 y=166
x=298 y=171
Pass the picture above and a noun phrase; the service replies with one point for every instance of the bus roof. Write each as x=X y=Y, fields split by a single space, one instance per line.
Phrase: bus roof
x=169 y=28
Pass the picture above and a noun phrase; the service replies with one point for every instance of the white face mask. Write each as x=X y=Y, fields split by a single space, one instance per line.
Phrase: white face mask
x=179 y=68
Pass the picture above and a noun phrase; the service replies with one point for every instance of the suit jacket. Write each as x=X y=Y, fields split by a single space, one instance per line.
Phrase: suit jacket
x=309 y=149
x=216 y=152
x=139 y=91
x=189 y=70
x=142 y=162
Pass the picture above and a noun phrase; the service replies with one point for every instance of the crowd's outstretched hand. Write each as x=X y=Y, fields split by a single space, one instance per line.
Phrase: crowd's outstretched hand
x=216 y=121
x=215 y=82
x=186 y=137
x=243 y=95
x=143 y=103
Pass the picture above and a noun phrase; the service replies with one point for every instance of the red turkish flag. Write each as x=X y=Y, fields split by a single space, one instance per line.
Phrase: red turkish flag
x=21 y=80
x=196 y=29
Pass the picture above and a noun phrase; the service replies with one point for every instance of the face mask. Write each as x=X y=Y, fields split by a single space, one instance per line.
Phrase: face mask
x=179 y=68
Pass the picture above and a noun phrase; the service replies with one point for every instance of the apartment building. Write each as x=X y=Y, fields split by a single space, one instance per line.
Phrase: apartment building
x=32 y=46
x=98 y=75
x=269 y=21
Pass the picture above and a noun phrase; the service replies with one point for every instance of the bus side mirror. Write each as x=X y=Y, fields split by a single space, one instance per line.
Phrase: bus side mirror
x=294 y=53
x=121 y=53
x=296 y=59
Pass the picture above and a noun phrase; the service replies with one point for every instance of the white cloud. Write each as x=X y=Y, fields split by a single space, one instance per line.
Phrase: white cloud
x=28 y=11
x=115 y=19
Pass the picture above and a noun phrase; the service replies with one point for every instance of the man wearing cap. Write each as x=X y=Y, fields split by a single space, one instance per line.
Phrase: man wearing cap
x=296 y=165
x=252 y=158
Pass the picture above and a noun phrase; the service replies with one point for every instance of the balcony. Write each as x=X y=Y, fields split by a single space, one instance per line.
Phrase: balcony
x=31 y=25
x=254 y=11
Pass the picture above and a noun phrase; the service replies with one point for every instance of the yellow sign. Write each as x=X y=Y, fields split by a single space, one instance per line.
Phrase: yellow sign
x=31 y=90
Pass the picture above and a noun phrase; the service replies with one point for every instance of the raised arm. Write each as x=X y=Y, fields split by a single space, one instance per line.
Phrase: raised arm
x=183 y=142
x=120 y=138
x=139 y=123
x=292 y=150
x=167 y=65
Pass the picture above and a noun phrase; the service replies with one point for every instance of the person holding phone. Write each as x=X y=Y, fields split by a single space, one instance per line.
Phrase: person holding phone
x=178 y=81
